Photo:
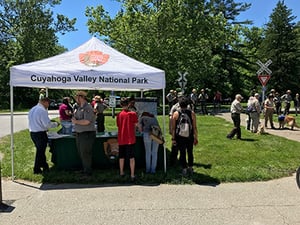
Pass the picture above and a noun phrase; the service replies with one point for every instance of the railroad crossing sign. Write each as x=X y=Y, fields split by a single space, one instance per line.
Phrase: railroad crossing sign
x=264 y=67
x=264 y=78
x=182 y=80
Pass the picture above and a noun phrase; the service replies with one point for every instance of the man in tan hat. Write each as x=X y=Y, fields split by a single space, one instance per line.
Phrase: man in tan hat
x=99 y=108
x=84 y=126
x=287 y=98
x=203 y=97
x=194 y=99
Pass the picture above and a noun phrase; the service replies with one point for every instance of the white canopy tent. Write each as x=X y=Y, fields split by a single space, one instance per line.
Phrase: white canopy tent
x=91 y=66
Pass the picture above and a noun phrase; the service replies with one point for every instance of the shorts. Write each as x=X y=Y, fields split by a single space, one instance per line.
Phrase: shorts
x=126 y=151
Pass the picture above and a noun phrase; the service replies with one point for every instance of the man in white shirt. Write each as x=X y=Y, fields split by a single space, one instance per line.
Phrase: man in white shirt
x=39 y=123
x=236 y=110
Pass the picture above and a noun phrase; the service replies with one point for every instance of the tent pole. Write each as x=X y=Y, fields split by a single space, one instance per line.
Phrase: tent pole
x=164 y=129
x=12 y=130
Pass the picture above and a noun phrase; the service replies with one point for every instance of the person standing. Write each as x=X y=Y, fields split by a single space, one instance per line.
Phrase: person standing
x=174 y=148
x=287 y=98
x=297 y=104
x=146 y=121
x=194 y=99
x=248 y=112
x=185 y=143
x=84 y=127
x=99 y=108
x=39 y=123
x=203 y=97
x=170 y=98
x=277 y=102
x=126 y=122
x=269 y=110
x=42 y=94
x=255 y=113
x=236 y=110
x=217 y=101
x=65 y=114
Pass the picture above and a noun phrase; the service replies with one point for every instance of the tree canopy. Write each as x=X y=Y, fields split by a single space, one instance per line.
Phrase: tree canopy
x=201 y=37
x=28 y=33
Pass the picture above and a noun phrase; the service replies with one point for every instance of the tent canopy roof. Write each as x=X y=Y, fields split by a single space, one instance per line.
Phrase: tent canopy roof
x=93 y=65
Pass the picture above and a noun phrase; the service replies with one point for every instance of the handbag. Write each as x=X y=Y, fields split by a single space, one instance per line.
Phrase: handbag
x=156 y=134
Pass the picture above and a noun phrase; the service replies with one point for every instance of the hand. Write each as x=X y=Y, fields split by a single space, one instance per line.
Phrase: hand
x=74 y=120
x=195 y=141
x=174 y=142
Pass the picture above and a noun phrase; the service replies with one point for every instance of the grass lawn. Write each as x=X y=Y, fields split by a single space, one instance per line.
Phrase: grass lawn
x=256 y=158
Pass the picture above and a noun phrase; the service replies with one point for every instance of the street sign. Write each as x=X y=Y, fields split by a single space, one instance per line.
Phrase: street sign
x=264 y=67
x=182 y=80
x=264 y=78
x=112 y=101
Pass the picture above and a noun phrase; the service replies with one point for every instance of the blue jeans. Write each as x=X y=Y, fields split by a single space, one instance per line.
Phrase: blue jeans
x=151 y=149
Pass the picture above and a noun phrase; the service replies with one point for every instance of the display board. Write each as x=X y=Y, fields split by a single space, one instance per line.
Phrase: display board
x=146 y=105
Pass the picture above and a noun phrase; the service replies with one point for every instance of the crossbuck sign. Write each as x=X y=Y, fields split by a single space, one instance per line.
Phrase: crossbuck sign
x=182 y=80
x=264 y=67
x=264 y=74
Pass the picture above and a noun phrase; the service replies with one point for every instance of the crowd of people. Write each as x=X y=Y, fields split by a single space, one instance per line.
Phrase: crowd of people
x=273 y=104
x=80 y=119
x=196 y=99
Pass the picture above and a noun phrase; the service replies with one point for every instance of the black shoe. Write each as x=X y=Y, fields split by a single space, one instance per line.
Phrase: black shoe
x=133 y=179
x=228 y=137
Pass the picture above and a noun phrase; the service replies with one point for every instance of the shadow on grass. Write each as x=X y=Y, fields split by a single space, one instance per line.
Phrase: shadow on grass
x=55 y=180
x=205 y=166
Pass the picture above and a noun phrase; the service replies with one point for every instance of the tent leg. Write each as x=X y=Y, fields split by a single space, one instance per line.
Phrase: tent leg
x=164 y=129
x=12 y=130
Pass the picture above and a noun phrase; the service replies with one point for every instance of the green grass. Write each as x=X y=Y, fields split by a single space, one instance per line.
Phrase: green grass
x=256 y=158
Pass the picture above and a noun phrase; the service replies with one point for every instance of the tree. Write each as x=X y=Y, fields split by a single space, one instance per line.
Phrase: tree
x=281 y=45
x=28 y=34
x=183 y=35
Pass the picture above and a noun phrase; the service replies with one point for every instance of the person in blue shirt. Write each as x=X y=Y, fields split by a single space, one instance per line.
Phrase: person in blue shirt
x=39 y=123
x=146 y=121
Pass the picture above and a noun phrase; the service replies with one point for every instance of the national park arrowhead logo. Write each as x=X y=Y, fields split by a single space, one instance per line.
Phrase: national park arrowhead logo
x=93 y=58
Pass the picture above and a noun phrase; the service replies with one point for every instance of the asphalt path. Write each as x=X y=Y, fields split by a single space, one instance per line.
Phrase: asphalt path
x=275 y=202
x=20 y=121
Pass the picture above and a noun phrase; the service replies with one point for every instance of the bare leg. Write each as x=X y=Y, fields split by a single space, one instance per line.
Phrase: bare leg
x=121 y=164
x=132 y=166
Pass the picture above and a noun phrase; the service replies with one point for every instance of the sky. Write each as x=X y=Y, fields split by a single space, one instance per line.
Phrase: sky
x=259 y=13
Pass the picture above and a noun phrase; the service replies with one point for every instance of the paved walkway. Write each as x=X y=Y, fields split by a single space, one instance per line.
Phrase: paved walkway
x=287 y=132
x=275 y=202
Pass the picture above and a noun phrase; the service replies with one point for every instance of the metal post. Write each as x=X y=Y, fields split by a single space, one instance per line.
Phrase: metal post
x=0 y=180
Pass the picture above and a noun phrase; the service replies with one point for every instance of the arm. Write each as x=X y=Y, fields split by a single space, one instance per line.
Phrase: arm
x=195 y=128
x=173 y=122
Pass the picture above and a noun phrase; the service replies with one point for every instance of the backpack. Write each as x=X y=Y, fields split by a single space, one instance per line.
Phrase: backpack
x=184 y=124
x=250 y=108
